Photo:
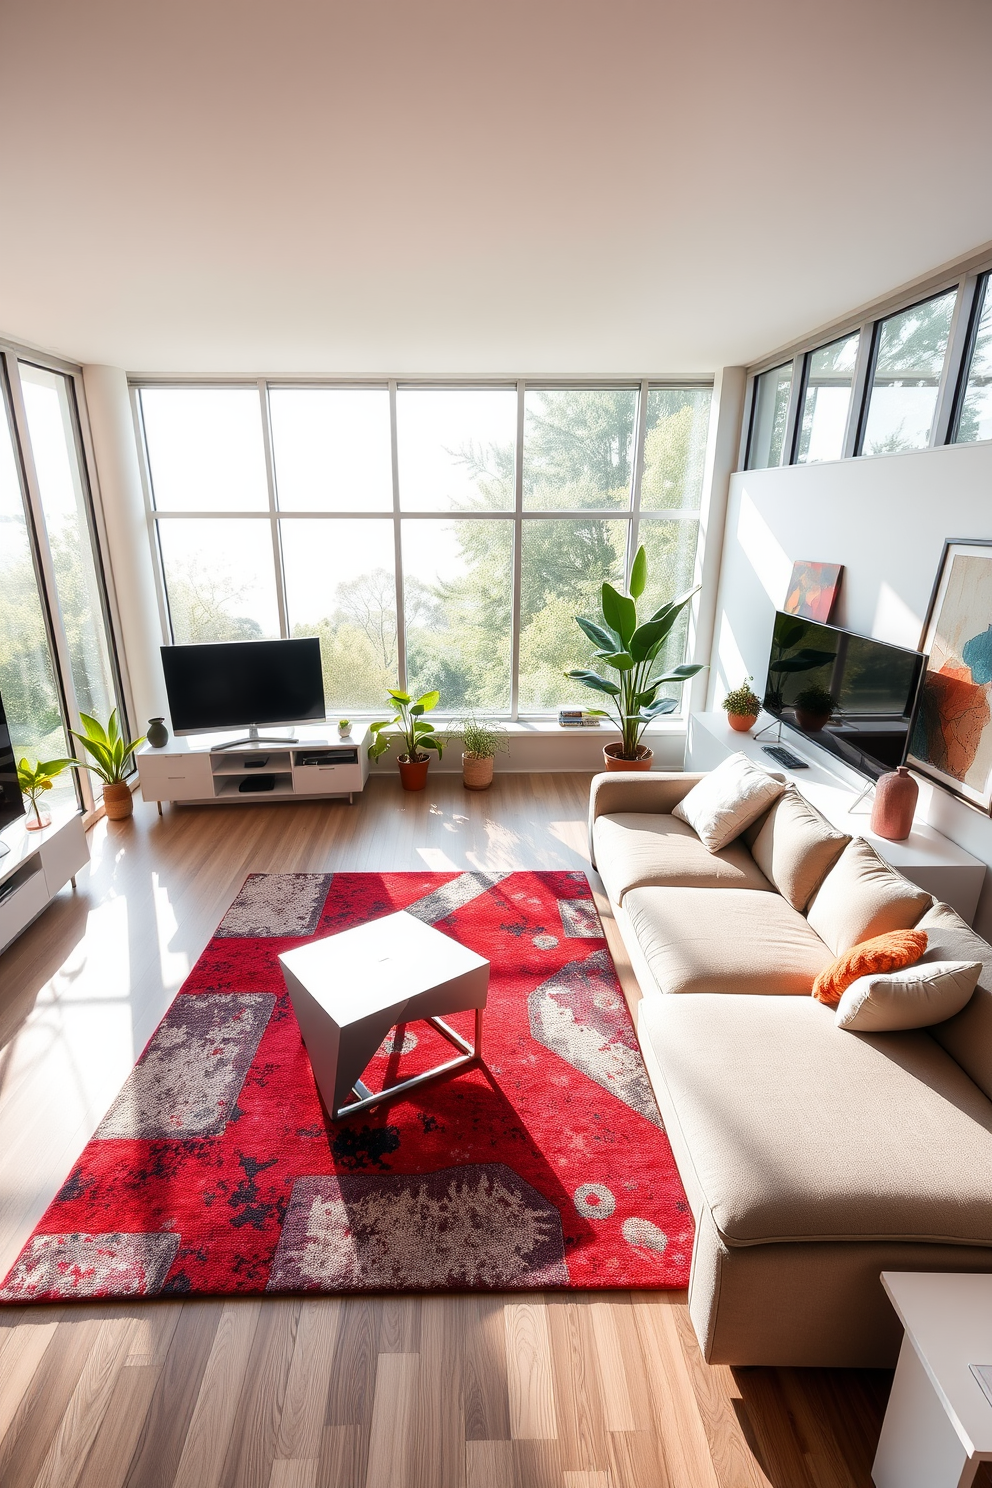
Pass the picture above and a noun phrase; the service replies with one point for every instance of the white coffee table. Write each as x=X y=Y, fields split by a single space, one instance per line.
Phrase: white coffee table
x=350 y=989
x=938 y=1423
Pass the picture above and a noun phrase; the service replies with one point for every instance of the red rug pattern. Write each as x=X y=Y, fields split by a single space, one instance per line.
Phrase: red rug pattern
x=217 y=1170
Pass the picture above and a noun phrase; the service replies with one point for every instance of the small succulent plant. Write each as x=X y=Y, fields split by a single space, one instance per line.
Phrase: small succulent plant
x=743 y=701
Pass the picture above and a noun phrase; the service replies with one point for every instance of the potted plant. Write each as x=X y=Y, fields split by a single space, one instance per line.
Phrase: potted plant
x=813 y=706
x=344 y=727
x=483 y=739
x=111 y=756
x=34 y=780
x=416 y=734
x=743 y=706
x=631 y=650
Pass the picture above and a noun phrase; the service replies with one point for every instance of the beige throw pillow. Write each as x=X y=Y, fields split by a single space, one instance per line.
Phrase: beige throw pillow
x=862 y=897
x=796 y=848
x=914 y=997
x=728 y=799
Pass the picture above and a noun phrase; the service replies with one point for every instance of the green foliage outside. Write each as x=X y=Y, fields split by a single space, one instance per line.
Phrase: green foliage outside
x=579 y=453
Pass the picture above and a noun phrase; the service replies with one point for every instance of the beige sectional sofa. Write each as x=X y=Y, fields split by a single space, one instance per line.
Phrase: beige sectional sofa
x=813 y=1157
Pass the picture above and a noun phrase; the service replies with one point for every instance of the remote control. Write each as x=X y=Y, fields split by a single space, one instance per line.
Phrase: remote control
x=783 y=756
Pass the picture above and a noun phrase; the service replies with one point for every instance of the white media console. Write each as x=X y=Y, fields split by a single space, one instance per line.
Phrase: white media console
x=36 y=866
x=208 y=768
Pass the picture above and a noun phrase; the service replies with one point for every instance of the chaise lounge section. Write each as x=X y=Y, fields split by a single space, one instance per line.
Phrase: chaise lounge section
x=813 y=1157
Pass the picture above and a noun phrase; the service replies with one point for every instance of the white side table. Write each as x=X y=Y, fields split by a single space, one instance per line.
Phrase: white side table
x=938 y=1423
x=349 y=989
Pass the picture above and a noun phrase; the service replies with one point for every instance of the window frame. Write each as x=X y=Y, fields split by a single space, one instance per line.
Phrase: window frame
x=11 y=396
x=518 y=515
x=965 y=279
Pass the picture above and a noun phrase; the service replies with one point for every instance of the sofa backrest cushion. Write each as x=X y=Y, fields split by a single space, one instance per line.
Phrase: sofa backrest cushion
x=862 y=897
x=968 y=1036
x=727 y=800
x=796 y=848
x=915 y=997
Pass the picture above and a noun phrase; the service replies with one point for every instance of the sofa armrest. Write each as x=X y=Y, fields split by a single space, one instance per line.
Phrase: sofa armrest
x=655 y=791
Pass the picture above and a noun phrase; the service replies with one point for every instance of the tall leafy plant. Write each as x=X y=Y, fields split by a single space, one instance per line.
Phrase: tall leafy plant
x=631 y=649
x=110 y=750
x=416 y=731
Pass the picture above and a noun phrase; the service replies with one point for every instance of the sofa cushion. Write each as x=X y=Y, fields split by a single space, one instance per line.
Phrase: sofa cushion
x=796 y=848
x=883 y=953
x=798 y=1130
x=635 y=849
x=862 y=897
x=727 y=800
x=725 y=940
x=968 y=1036
x=915 y=997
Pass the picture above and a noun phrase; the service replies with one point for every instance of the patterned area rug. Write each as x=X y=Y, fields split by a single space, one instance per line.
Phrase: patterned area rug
x=217 y=1171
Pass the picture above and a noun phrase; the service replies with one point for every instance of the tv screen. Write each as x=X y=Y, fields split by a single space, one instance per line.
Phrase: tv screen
x=851 y=695
x=231 y=684
x=11 y=800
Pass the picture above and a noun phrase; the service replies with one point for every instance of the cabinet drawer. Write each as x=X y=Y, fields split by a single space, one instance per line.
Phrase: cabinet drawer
x=326 y=780
x=175 y=778
x=21 y=905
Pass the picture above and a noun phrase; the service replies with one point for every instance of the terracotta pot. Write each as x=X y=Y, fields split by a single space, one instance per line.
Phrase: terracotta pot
x=742 y=722
x=894 y=805
x=811 y=723
x=413 y=773
x=118 y=801
x=614 y=760
x=477 y=771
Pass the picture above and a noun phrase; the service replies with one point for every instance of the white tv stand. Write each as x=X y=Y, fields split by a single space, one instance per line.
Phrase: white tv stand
x=211 y=768
x=36 y=866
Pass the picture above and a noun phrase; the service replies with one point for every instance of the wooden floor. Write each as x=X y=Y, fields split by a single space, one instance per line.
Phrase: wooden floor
x=570 y=1391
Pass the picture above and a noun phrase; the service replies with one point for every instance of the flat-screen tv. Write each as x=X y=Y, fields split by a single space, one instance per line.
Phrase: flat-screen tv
x=233 y=684
x=11 y=800
x=851 y=695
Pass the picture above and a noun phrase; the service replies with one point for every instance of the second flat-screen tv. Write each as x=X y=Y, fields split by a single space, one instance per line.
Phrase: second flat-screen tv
x=232 y=684
x=872 y=691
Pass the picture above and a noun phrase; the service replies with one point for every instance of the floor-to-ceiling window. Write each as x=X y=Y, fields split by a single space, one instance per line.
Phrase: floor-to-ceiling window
x=435 y=535
x=56 y=653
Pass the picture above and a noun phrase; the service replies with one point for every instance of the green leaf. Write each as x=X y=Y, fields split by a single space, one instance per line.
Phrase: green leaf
x=675 y=606
x=429 y=700
x=663 y=705
x=607 y=640
x=620 y=612
x=680 y=673
x=416 y=709
x=113 y=731
x=401 y=697
x=638 y=573
x=431 y=741
x=594 y=681
x=642 y=699
x=622 y=660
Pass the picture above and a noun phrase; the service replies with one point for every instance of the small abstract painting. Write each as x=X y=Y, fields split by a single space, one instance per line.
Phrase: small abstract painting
x=952 y=736
x=813 y=590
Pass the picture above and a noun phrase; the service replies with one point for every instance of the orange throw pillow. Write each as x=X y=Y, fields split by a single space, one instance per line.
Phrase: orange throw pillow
x=882 y=953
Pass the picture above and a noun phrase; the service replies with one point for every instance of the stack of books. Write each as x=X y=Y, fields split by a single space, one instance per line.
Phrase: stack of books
x=576 y=718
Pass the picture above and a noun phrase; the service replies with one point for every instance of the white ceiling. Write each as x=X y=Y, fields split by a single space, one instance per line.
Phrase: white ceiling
x=449 y=186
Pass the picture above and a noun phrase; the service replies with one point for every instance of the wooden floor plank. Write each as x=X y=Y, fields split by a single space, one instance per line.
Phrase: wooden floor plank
x=536 y=1464
x=485 y=1399
x=301 y=1425
x=110 y=1456
x=294 y=1472
x=439 y=1429
x=578 y=1404
x=718 y=1400
x=343 y=1455
x=614 y=1389
x=393 y=1422
x=530 y=1372
x=156 y=1454
x=24 y=1350
x=255 y=1431
x=489 y=1464
x=205 y=1448
x=83 y=1416
x=42 y=1406
x=684 y=1445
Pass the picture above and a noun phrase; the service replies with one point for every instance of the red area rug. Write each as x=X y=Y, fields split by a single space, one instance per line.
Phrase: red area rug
x=217 y=1171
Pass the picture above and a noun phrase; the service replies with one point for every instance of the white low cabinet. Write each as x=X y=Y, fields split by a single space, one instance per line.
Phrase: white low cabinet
x=36 y=866
x=200 y=771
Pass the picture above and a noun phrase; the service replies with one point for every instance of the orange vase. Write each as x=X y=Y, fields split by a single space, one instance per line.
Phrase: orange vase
x=892 y=810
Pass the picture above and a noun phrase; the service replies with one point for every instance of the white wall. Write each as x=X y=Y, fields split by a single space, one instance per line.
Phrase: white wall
x=886 y=518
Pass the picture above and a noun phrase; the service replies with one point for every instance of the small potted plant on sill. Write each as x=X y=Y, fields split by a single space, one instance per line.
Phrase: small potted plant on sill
x=111 y=757
x=344 y=727
x=34 y=780
x=814 y=707
x=416 y=734
x=483 y=739
x=743 y=706
x=631 y=650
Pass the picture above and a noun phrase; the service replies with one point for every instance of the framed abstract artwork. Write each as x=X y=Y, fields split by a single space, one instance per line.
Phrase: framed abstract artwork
x=813 y=590
x=952 y=736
